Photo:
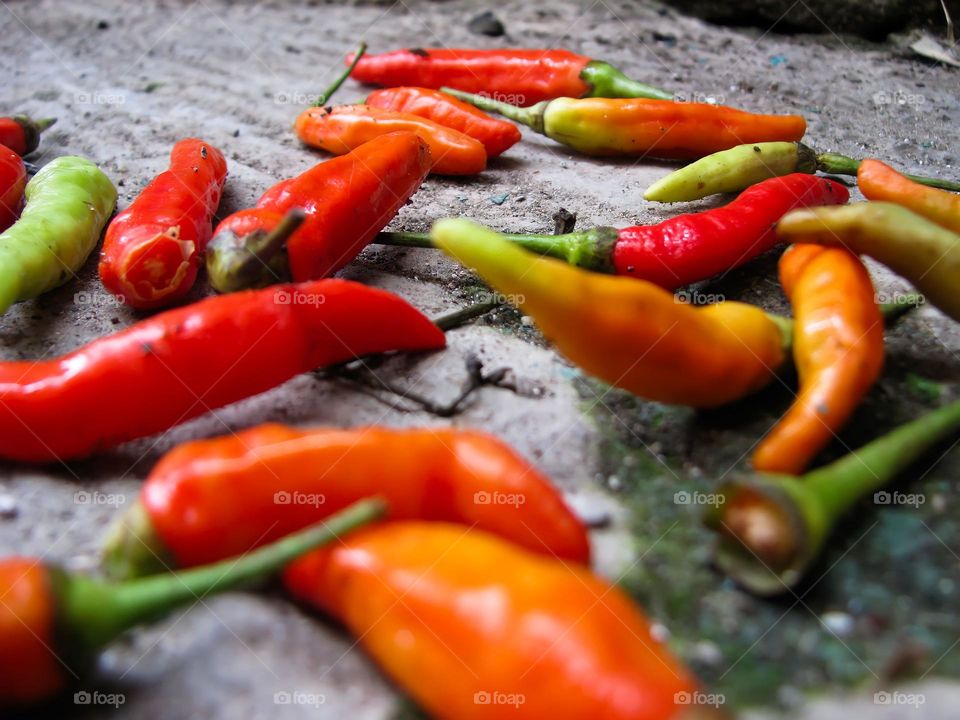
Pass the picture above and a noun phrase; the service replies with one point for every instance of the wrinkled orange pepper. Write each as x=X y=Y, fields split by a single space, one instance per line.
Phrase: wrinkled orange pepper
x=878 y=181
x=474 y=627
x=838 y=351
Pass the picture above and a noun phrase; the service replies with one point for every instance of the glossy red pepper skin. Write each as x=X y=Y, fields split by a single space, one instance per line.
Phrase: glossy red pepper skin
x=21 y=133
x=347 y=200
x=183 y=362
x=496 y=135
x=152 y=249
x=695 y=246
x=13 y=181
x=524 y=77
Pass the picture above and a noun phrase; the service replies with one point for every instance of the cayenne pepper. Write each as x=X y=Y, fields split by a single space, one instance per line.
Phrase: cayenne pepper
x=13 y=180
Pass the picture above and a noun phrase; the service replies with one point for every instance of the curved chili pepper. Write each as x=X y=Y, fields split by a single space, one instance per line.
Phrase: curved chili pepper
x=631 y=127
x=837 y=348
x=496 y=135
x=279 y=479
x=744 y=165
x=878 y=181
x=772 y=527
x=683 y=249
x=502 y=626
x=21 y=133
x=13 y=180
x=181 y=363
x=346 y=201
x=152 y=249
x=631 y=334
x=923 y=252
x=68 y=203
x=527 y=76
x=53 y=623
x=346 y=127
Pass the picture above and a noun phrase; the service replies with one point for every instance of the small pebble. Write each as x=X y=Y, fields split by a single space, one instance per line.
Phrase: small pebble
x=499 y=199
x=839 y=623
x=8 y=507
x=486 y=23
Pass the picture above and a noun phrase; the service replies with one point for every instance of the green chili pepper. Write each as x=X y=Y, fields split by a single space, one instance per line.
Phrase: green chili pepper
x=68 y=203
x=745 y=165
x=921 y=251
x=772 y=527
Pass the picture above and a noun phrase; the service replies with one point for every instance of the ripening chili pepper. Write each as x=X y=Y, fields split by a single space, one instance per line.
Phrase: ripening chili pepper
x=347 y=200
x=683 y=249
x=152 y=249
x=53 y=623
x=13 y=180
x=537 y=637
x=629 y=333
x=631 y=127
x=525 y=76
x=744 y=165
x=67 y=205
x=837 y=348
x=878 y=181
x=21 y=133
x=280 y=479
x=772 y=527
x=921 y=251
x=181 y=363
x=347 y=127
x=496 y=135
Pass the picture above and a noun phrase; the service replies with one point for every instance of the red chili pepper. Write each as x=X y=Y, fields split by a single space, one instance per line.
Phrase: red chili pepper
x=347 y=200
x=279 y=479
x=495 y=134
x=21 y=133
x=13 y=181
x=683 y=249
x=181 y=363
x=152 y=249
x=522 y=77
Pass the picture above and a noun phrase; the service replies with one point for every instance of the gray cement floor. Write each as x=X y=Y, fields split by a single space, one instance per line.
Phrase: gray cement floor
x=126 y=82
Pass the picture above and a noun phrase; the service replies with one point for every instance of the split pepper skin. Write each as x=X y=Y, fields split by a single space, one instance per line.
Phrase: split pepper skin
x=153 y=249
x=837 y=349
x=53 y=624
x=21 y=133
x=881 y=182
x=926 y=254
x=68 y=204
x=496 y=135
x=346 y=200
x=527 y=76
x=629 y=333
x=184 y=362
x=210 y=499
x=13 y=181
x=683 y=249
x=511 y=633
x=604 y=127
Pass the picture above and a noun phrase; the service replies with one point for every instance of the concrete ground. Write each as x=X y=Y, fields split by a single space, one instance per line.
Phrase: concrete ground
x=126 y=82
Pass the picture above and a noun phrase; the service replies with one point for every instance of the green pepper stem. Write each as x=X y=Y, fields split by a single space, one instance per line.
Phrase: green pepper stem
x=44 y=123
x=236 y=263
x=92 y=613
x=606 y=81
x=341 y=78
x=456 y=318
x=836 y=164
x=531 y=116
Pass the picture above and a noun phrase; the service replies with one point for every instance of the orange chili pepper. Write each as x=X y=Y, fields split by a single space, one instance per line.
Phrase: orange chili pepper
x=630 y=127
x=472 y=626
x=342 y=129
x=879 y=181
x=838 y=350
x=495 y=134
x=210 y=499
